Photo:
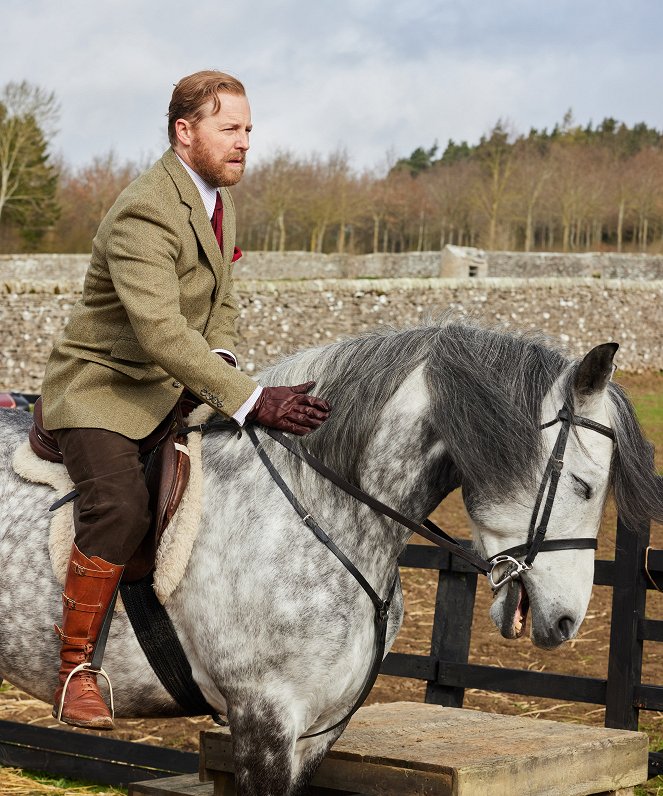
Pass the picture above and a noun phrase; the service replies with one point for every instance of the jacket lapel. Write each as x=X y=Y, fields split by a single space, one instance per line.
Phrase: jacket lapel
x=201 y=224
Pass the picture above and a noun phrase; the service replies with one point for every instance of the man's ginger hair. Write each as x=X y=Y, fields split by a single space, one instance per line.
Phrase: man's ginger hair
x=192 y=94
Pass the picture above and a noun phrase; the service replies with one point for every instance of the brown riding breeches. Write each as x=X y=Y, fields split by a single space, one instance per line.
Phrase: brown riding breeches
x=111 y=512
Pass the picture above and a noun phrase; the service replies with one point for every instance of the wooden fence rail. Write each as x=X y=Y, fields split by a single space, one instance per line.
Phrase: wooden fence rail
x=448 y=673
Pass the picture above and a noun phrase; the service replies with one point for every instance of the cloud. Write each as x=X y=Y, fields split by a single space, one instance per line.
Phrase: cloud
x=366 y=75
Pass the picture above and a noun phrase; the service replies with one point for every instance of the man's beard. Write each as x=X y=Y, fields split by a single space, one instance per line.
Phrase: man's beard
x=213 y=171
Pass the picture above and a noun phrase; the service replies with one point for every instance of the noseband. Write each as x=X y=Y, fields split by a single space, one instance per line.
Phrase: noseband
x=507 y=561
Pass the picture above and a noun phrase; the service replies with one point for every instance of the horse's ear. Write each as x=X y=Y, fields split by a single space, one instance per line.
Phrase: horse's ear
x=594 y=372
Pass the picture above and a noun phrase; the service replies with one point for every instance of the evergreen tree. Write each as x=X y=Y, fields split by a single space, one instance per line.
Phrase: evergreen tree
x=420 y=160
x=28 y=178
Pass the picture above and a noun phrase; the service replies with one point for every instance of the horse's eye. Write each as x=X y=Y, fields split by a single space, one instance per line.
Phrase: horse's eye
x=581 y=488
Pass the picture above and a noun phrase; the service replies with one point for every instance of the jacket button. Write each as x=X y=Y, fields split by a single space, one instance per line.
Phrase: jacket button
x=176 y=384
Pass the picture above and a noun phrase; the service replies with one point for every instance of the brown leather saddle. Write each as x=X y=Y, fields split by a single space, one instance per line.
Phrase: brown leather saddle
x=166 y=464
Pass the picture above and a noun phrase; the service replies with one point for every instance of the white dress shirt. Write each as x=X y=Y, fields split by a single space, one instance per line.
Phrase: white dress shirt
x=208 y=195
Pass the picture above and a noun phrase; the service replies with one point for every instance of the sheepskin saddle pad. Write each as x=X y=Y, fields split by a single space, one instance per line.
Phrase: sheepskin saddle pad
x=177 y=540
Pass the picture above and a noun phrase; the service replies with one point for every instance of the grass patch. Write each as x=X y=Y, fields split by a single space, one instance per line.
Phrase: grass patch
x=651 y=724
x=14 y=782
x=652 y=788
x=649 y=408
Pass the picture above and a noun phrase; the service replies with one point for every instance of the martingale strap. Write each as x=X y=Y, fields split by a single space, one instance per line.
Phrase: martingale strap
x=381 y=616
x=427 y=529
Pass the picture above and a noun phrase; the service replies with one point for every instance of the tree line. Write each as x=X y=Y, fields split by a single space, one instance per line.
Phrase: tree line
x=572 y=188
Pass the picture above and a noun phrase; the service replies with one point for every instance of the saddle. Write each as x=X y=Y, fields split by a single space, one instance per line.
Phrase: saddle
x=166 y=464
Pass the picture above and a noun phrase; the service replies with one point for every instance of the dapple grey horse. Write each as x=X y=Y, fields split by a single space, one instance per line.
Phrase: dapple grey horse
x=279 y=635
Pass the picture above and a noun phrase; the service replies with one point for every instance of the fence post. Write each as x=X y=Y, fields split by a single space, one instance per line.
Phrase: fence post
x=629 y=597
x=452 y=626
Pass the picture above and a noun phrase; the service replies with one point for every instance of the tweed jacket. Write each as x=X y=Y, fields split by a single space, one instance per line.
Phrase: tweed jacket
x=157 y=297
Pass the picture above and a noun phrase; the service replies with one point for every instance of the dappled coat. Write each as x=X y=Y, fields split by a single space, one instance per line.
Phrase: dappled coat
x=158 y=296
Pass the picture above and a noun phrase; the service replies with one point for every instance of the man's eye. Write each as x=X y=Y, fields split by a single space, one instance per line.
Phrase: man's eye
x=581 y=488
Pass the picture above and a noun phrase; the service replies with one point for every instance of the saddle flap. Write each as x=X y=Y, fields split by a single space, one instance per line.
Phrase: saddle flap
x=41 y=440
x=167 y=483
x=174 y=476
x=167 y=479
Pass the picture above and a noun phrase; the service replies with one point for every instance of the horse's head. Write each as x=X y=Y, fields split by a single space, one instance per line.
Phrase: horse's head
x=564 y=501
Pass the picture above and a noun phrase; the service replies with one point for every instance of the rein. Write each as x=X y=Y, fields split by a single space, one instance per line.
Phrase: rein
x=512 y=567
x=507 y=559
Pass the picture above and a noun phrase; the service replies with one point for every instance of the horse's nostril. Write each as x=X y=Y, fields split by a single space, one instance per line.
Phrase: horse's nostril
x=565 y=627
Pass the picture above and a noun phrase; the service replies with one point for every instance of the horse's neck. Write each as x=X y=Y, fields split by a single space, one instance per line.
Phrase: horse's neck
x=401 y=460
x=400 y=467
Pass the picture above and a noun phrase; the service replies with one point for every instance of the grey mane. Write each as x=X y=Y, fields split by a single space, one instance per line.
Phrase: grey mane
x=486 y=388
x=635 y=485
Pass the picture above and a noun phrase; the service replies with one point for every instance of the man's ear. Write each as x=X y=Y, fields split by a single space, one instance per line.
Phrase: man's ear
x=183 y=129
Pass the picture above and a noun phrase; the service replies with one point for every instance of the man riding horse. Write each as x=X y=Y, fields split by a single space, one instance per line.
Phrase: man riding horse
x=157 y=316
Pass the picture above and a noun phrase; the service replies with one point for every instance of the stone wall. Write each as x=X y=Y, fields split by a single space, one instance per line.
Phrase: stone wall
x=280 y=316
x=597 y=265
x=67 y=270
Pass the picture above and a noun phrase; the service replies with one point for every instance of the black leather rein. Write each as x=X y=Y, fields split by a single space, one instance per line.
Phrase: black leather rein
x=536 y=542
x=506 y=559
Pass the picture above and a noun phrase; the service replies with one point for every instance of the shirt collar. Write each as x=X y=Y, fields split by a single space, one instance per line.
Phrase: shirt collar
x=207 y=191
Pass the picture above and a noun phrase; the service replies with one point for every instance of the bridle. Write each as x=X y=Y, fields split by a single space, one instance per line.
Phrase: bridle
x=508 y=559
x=536 y=542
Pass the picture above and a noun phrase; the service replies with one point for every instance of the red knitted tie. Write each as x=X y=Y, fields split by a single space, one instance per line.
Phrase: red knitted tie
x=217 y=220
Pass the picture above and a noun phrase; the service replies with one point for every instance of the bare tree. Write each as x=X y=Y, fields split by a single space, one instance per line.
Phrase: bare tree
x=647 y=192
x=28 y=179
x=85 y=195
x=495 y=156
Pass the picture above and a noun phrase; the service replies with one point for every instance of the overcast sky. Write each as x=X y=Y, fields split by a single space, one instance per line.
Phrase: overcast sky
x=371 y=76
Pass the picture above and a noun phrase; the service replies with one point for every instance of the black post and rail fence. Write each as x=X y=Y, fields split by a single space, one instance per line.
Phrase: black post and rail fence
x=635 y=570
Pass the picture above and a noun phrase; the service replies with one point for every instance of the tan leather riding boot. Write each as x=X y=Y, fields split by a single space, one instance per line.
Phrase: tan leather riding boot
x=88 y=591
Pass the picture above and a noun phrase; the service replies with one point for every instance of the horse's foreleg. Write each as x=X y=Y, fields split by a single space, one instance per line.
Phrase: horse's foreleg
x=309 y=754
x=263 y=745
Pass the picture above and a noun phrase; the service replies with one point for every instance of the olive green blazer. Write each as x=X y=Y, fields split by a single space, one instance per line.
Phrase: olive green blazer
x=158 y=296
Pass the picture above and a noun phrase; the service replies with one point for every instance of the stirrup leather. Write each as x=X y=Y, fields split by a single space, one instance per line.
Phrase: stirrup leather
x=74 y=671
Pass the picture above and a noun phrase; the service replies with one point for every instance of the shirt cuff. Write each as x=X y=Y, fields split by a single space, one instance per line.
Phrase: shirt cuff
x=247 y=406
x=225 y=351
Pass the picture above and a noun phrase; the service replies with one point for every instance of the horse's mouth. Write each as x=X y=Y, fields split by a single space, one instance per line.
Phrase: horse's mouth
x=516 y=607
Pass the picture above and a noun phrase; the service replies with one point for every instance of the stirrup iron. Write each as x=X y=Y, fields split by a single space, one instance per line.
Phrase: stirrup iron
x=74 y=671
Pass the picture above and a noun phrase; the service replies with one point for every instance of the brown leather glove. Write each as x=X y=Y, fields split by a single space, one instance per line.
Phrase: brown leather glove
x=290 y=409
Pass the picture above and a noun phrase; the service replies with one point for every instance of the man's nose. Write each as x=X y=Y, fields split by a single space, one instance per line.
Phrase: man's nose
x=242 y=141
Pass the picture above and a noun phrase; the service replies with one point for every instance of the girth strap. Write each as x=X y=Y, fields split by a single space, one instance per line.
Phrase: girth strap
x=163 y=650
